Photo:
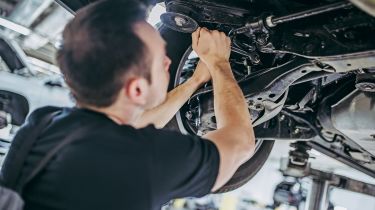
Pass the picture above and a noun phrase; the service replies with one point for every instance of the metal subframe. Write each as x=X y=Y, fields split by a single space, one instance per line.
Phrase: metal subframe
x=348 y=161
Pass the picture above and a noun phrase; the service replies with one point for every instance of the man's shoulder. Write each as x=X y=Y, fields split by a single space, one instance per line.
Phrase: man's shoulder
x=43 y=111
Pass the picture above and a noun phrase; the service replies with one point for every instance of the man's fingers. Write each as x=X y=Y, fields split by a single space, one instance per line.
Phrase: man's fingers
x=205 y=29
x=215 y=33
x=229 y=42
x=195 y=37
x=204 y=32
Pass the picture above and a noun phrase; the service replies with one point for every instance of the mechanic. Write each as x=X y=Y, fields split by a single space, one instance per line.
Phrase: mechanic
x=116 y=67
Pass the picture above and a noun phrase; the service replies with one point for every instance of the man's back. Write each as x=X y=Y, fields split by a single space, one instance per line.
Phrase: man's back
x=113 y=166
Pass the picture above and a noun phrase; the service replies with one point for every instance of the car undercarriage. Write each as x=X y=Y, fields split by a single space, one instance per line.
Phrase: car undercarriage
x=306 y=71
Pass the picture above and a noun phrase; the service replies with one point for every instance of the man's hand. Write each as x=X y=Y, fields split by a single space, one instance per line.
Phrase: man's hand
x=211 y=46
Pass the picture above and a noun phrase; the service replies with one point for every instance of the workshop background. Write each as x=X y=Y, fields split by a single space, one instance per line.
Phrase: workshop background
x=33 y=28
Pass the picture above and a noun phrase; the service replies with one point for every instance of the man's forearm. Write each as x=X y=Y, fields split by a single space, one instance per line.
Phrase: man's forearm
x=162 y=114
x=229 y=102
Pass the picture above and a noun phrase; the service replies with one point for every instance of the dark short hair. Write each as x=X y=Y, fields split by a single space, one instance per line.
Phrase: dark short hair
x=100 y=48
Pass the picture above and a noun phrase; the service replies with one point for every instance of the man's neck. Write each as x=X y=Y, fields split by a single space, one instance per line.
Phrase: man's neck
x=118 y=114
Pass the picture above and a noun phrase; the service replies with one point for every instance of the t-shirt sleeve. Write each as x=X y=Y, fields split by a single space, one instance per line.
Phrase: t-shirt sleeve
x=181 y=165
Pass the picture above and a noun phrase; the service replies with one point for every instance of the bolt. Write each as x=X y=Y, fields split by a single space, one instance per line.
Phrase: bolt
x=262 y=39
x=296 y=131
x=282 y=117
x=366 y=86
x=180 y=21
x=254 y=58
x=248 y=70
x=197 y=122
x=349 y=35
x=188 y=115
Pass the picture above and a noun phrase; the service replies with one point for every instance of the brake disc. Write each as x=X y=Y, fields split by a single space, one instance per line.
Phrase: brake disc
x=179 y=22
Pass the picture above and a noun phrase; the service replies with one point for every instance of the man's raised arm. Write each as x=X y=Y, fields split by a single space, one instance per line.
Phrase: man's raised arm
x=234 y=136
x=162 y=114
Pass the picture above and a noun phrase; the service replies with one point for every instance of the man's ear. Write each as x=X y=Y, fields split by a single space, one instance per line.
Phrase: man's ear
x=137 y=90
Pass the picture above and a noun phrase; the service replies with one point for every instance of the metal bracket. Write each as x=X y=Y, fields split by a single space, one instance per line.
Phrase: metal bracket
x=321 y=181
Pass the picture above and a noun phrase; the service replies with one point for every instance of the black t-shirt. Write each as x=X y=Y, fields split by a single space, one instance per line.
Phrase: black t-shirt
x=113 y=166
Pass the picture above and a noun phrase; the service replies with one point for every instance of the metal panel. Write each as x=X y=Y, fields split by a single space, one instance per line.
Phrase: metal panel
x=354 y=116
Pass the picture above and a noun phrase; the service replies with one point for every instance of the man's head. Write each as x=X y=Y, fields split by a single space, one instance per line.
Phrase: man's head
x=110 y=53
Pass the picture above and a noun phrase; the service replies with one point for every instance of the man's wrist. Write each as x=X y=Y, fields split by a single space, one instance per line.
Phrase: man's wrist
x=195 y=81
x=219 y=67
x=215 y=63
